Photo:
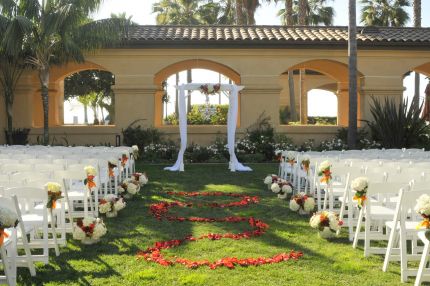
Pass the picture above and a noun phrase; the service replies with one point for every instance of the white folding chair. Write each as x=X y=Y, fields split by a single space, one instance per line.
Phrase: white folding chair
x=423 y=273
x=19 y=234
x=375 y=214
x=8 y=253
x=403 y=228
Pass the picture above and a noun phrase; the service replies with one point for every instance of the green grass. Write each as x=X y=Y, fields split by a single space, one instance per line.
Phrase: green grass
x=113 y=261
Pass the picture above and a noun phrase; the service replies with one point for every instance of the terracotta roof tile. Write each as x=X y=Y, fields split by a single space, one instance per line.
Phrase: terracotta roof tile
x=278 y=35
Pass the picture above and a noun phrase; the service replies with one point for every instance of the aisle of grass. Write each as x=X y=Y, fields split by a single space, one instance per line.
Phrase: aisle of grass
x=113 y=261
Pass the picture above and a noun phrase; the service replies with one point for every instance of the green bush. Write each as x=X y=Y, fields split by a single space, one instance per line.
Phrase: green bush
x=198 y=154
x=397 y=126
x=136 y=135
x=322 y=120
x=161 y=152
x=19 y=136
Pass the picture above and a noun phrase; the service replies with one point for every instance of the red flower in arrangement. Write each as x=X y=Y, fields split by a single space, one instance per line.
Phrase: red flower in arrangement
x=160 y=211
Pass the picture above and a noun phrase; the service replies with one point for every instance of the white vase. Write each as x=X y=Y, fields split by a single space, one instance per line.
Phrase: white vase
x=326 y=233
x=89 y=241
x=112 y=214
x=303 y=212
x=128 y=196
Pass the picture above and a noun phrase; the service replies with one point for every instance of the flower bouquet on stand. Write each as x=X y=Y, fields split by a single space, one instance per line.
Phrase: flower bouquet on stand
x=8 y=219
x=302 y=203
x=324 y=172
x=128 y=188
x=360 y=185
x=89 y=230
x=423 y=208
x=282 y=188
x=140 y=178
x=111 y=204
x=135 y=150
x=269 y=180
x=54 y=194
x=305 y=163
x=291 y=158
x=112 y=164
x=327 y=223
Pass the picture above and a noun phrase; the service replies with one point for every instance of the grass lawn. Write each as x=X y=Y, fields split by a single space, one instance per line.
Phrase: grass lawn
x=113 y=261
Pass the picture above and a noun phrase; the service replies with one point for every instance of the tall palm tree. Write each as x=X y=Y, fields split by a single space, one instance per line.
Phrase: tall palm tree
x=302 y=7
x=417 y=24
x=384 y=12
x=60 y=32
x=240 y=16
x=12 y=65
x=352 y=54
x=179 y=12
x=316 y=13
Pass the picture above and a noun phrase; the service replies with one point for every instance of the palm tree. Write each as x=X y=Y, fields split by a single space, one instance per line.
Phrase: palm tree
x=384 y=12
x=417 y=24
x=316 y=13
x=12 y=65
x=352 y=54
x=303 y=4
x=179 y=12
x=240 y=17
x=60 y=31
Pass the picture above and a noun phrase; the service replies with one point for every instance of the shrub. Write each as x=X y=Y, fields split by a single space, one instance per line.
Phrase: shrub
x=161 y=152
x=198 y=154
x=136 y=135
x=396 y=125
x=19 y=136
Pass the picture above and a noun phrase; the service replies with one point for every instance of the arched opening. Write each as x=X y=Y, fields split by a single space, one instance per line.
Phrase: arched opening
x=201 y=109
x=89 y=98
x=58 y=74
x=320 y=89
x=415 y=83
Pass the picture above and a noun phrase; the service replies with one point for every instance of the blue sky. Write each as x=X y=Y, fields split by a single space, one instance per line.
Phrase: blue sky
x=266 y=15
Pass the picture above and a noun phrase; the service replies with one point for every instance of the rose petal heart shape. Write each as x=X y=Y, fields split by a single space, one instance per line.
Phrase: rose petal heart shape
x=160 y=211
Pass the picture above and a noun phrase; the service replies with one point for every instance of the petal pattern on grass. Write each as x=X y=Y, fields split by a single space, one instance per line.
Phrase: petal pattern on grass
x=161 y=211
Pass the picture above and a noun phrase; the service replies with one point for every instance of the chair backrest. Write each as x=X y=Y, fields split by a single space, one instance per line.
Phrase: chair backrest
x=17 y=167
x=48 y=167
x=29 y=198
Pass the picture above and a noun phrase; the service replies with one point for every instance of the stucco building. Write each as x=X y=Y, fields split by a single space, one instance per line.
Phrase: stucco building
x=257 y=57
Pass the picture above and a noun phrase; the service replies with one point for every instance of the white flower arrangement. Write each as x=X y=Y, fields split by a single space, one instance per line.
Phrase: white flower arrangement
x=90 y=170
x=54 y=194
x=135 y=150
x=360 y=185
x=302 y=202
x=119 y=204
x=111 y=204
x=141 y=178
x=270 y=179
x=8 y=218
x=327 y=223
x=291 y=157
x=423 y=208
x=89 y=228
x=113 y=162
x=282 y=188
x=129 y=186
x=325 y=165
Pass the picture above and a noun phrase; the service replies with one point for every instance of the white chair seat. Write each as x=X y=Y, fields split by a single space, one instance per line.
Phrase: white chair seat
x=381 y=212
x=32 y=219
x=409 y=225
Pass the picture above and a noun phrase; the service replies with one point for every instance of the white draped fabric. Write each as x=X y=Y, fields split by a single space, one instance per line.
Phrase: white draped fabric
x=234 y=164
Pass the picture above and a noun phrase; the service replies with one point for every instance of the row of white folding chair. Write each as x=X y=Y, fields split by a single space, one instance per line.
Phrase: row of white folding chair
x=403 y=228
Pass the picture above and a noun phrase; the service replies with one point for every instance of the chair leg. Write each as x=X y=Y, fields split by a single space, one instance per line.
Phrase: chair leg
x=389 y=248
x=403 y=258
x=54 y=233
x=358 y=229
x=423 y=263
x=367 y=236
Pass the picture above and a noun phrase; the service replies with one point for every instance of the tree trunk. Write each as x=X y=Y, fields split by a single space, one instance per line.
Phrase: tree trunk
x=289 y=12
x=189 y=80
x=9 y=116
x=302 y=12
x=85 y=114
x=239 y=12
x=417 y=24
x=352 y=54
x=44 y=82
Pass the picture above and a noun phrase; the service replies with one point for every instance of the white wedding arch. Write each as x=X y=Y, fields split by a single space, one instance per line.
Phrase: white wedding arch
x=234 y=164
